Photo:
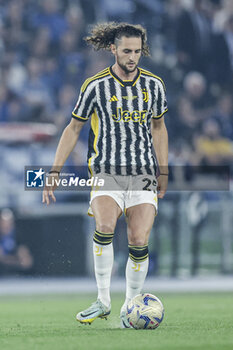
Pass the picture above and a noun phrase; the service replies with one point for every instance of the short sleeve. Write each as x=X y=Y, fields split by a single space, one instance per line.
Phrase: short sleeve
x=85 y=105
x=160 y=105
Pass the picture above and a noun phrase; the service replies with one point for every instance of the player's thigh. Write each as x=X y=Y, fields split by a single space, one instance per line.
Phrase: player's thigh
x=140 y=219
x=106 y=212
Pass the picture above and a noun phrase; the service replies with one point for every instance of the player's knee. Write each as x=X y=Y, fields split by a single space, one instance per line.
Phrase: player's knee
x=138 y=235
x=137 y=239
x=138 y=254
x=106 y=227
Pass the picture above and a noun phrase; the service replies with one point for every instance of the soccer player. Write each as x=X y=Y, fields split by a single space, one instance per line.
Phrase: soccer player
x=126 y=105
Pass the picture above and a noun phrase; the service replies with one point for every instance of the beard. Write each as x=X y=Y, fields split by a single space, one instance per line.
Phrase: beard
x=125 y=68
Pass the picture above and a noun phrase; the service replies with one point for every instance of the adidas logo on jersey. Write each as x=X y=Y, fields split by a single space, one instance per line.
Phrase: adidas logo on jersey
x=113 y=98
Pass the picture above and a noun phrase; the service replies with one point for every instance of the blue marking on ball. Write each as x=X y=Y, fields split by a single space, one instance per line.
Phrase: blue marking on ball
x=159 y=319
x=146 y=319
x=147 y=298
x=129 y=310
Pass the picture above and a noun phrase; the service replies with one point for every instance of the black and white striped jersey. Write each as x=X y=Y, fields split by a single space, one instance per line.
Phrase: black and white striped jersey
x=120 y=140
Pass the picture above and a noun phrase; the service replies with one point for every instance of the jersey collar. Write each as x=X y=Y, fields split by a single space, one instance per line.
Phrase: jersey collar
x=125 y=82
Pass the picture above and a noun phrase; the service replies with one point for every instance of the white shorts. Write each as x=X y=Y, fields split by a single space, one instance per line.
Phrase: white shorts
x=128 y=191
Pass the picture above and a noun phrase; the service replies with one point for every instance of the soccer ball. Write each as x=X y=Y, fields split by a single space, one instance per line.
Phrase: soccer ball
x=145 y=311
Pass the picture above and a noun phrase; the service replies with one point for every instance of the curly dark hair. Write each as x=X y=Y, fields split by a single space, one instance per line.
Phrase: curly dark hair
x=105 y=34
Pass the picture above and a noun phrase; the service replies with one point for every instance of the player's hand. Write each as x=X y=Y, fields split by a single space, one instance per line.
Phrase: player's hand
x=50 y=188
x=162 y=185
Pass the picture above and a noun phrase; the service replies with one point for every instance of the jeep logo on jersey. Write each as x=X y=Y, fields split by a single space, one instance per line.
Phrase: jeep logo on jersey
x=126 y=116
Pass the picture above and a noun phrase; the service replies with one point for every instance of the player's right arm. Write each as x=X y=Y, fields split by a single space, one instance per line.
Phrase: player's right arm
x=65 y=146
x=82 y=112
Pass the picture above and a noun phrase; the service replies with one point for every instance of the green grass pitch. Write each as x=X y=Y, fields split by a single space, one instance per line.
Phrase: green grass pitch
x=192 y=321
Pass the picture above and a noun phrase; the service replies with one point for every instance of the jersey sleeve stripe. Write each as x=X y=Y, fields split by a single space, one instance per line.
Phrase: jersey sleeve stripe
x=79 y=117
x=159 y=116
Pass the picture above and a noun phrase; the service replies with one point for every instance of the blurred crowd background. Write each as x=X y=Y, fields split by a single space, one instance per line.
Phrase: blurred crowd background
x=43 y=63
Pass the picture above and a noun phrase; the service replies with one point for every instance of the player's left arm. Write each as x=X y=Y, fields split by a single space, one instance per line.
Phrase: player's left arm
x=160 y=142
